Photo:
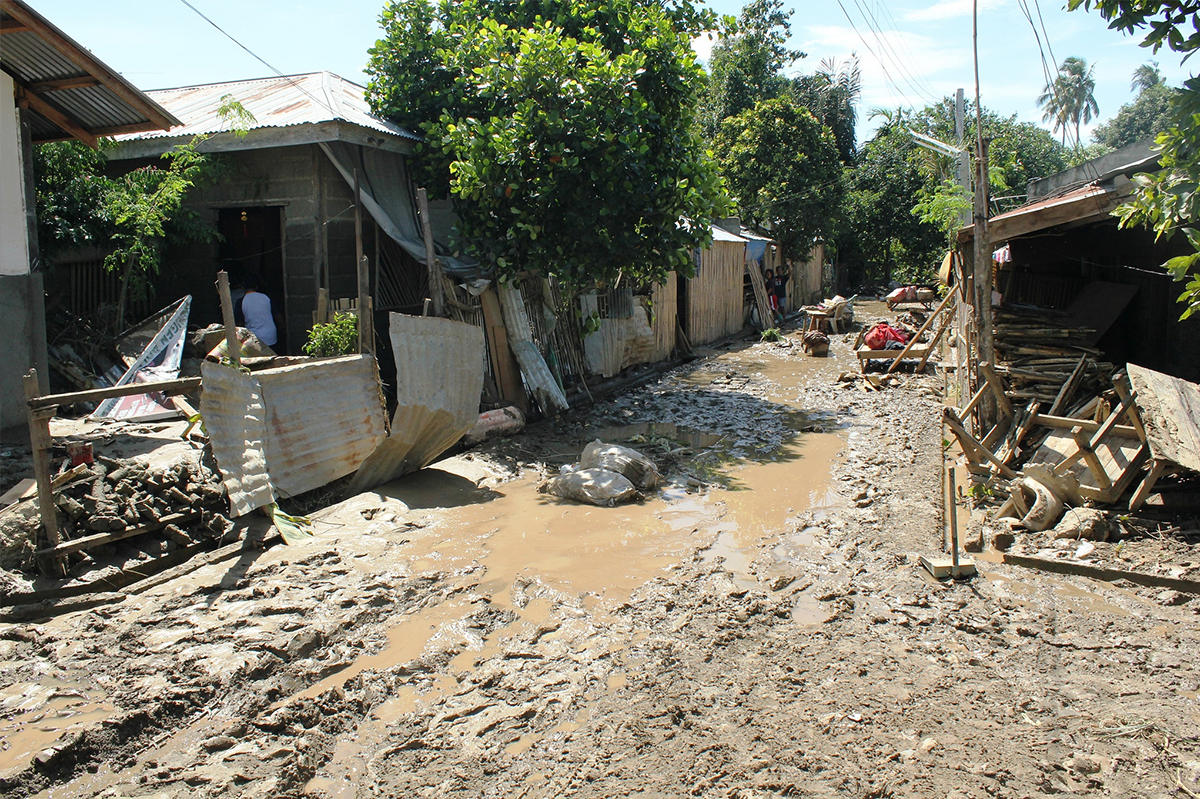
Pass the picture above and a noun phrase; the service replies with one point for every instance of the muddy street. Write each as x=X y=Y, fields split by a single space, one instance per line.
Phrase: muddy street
x=759 y=627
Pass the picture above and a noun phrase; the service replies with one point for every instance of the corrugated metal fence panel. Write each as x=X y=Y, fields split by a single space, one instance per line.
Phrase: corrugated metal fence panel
x=439 y=378
x=323 y=420
x=715 y=307
x=665 y=308
x=235 y=419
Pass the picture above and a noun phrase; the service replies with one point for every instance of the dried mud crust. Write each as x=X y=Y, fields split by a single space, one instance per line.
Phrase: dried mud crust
x=831 y=668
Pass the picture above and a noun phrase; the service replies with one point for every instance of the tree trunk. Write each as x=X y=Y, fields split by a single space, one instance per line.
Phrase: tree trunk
x=124 y=293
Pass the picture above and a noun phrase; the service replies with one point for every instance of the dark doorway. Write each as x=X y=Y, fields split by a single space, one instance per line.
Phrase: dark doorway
x=253 y=239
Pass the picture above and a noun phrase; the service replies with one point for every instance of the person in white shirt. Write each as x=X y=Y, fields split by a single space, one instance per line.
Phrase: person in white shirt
x=256 y=309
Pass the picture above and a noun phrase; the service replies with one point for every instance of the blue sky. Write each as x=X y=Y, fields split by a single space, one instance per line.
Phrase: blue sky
x=911 y=51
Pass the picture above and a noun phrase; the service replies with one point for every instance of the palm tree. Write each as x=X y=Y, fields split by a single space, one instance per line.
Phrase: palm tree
x=831 y=94
x=1147 y=76
x=1070 y=98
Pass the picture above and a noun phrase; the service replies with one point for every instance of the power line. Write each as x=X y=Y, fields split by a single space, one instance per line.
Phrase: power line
x=886 y=47
x=259 y=58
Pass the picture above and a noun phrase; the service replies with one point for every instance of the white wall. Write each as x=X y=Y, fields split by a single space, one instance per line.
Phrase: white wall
x=14 y=246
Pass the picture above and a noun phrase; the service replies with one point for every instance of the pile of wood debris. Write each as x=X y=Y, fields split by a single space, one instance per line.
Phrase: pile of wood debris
x=1101 y=442
x=112 y=500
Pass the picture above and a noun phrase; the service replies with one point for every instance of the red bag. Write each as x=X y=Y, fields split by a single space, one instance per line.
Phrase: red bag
x=878 y=337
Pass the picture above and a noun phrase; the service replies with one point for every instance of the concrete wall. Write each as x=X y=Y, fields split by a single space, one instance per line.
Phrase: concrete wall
x=318 y=231
x=23 y=312
x=14 y=244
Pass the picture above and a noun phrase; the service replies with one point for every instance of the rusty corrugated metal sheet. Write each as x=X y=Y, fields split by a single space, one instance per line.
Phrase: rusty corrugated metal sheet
x=440 y=365
x=323 y=419
x=275 y=102
x=231 y=405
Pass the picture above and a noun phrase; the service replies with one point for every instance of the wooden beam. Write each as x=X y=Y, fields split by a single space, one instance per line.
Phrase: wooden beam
x=88 y=63
x=99 y=539
x=28 y=99
x=62 y=84
x=226 y=299
x=183 y=385
x=1091 y=459
x=997 y=387
x=39 y=444
x=1066 y=423
x=1157 y=469
x=970 y=442
x=431 y=260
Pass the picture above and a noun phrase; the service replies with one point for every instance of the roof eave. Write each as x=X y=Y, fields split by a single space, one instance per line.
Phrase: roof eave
x=266 y=138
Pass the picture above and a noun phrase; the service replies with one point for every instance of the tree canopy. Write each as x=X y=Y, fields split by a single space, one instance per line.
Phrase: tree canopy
x=564 y=130
x=1149 y=114
x=782 y=167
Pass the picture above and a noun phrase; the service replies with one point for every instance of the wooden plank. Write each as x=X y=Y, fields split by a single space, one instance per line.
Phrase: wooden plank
x=969 y=442
x=22 y=490
x=1069 y=386
x=1101 y=573
x=183 y=385
x=231 y=339
x=99 y=539
x=1125 y=391
x=997 y=387
x=40 y=443
x=949 y=318
x=1091 y=459
x=1157 y=470
x=504 y=363
x=1067 y=422
x=760 y=294
x=1170 y=413
x=62 y=84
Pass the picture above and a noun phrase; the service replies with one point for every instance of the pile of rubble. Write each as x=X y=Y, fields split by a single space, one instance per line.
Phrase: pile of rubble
x=111 y=500
x=1046 y=358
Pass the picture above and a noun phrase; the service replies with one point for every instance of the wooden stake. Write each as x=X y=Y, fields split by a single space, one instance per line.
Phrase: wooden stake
x=231 y=339
x=431 y=260
x=40 y=443
x=953 y=508
x=366 y=330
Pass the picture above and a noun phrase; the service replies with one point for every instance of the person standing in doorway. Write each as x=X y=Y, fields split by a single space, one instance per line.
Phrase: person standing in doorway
x=256 y=310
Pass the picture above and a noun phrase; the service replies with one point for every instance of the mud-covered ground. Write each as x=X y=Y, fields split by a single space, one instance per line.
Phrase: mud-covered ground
x=761 y=628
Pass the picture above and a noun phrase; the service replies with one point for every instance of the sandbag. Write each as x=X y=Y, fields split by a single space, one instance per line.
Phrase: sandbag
x=594 y=486
x=635 y=466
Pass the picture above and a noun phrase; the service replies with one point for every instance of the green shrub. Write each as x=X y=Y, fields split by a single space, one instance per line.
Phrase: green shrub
x=330 y=339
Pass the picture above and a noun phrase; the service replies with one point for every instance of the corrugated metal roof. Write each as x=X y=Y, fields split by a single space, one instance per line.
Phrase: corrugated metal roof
x=59 y=80
x=721 y=234
x=276 y=102
x=1086 y=202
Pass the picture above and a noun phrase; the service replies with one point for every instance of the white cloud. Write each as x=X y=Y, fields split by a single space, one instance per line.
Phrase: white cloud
x=948 y=9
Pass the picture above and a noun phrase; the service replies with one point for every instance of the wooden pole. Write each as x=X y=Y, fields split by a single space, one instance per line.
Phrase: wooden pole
x=231 y=339
x=366 y=330
x=182 y=385
x=952 y=507
x=435 y=268
x=40 y=443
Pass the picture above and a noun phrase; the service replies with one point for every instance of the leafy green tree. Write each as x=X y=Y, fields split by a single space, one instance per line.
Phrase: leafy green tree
x=878 y=237
x=564 y=130
x=1149 y=114
x=1070 y=98
x=782 y=167
x=1167 y=201
x=747 y=62
x=134 y=216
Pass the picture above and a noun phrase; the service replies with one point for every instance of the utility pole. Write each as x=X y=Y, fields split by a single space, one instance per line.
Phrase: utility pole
x=982 y=252
x=960 y=133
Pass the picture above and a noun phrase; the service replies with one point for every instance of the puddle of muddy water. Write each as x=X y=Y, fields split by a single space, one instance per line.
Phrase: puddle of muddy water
x=38 y=714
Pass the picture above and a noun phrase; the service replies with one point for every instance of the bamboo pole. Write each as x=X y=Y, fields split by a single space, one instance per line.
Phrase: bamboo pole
x=912 y=341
